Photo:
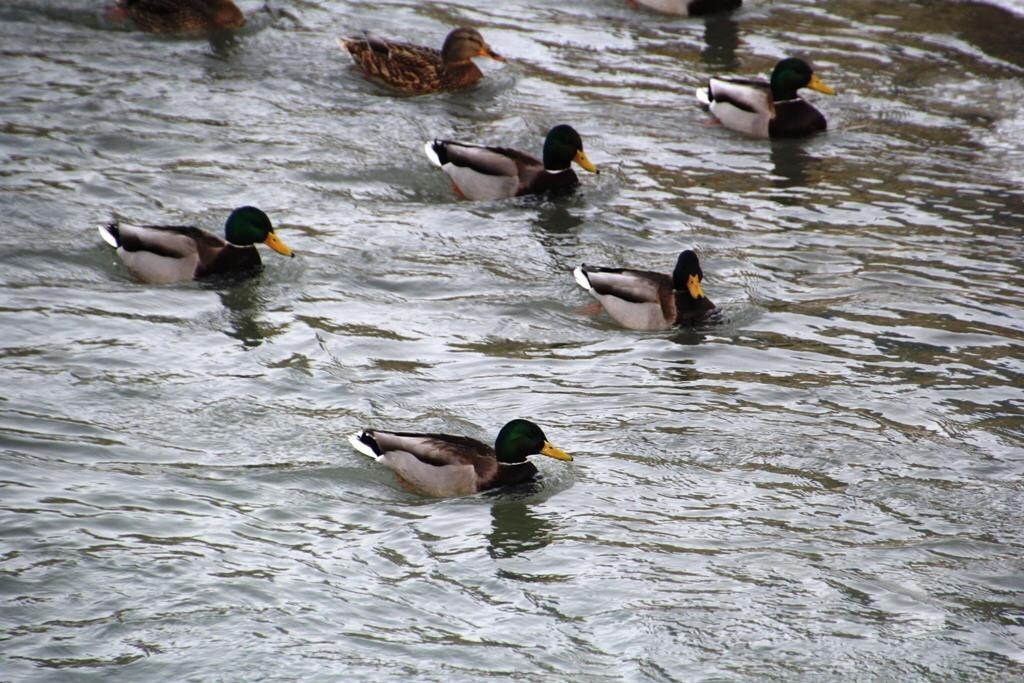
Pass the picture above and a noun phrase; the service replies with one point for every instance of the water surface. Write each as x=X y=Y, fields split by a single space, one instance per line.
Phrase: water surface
x=827 y=486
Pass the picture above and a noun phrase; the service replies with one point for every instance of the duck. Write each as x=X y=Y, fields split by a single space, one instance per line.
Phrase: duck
x=418 y=70
x=179 y=16
x=688 y=8
x=645 y=300
x=442 y=465
x=480 y=173
x=161 y=254
x=767 y=109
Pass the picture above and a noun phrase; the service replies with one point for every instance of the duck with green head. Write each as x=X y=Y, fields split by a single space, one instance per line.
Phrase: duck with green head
x=442 y=465
x=767 y=109
x=646 y=300
x=179 y=16
x=416 y=69
x=479 y=172
x=160 y=254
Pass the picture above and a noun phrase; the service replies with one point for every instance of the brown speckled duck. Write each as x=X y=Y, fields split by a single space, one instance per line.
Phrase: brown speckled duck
x=179 y=16
x=160 y=254
x=418 y=70
x=443 y=465
x=644 y=300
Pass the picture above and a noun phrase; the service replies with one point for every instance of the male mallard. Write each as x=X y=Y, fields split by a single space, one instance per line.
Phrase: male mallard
x=444 y=465
x=159 y=254
x=767 y=109
x=417 y=70
x=179 y=16
x=479 y=172
x=643 y=300
x=689 y=8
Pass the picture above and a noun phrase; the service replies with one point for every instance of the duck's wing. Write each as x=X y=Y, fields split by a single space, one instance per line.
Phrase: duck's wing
x=171 y=241
x=749 y=94
x=496 y=161
x=481 y=172
x=637 y=299
x=430 y=464
x=634 y=286
x=162 y=253
x=432 y=449
x=408 y=67
x=182 y=15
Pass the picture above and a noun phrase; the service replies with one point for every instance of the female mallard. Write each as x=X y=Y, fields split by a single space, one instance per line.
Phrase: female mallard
x=444 y=465
x=689 y=8
x=418 y=70
x=642 y=300
x=767 y=109
x=479 y=172
x=179 y=16
x=159 y=254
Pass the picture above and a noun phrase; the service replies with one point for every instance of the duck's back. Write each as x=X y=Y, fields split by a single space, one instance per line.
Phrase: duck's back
x=172 y=16
x=404 y=66
x=637 y=299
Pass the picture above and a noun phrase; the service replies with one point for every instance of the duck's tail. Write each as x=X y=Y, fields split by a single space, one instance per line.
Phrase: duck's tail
x=435 y=151
x=110 y=234
x=704 y=96
x=364 y=442
x=580 y=273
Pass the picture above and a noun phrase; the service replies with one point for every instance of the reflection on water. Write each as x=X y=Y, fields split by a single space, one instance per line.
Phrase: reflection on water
x=790 y=161
x=515 y=529
x=556 y=222
x=245 y=306
x=721 y=39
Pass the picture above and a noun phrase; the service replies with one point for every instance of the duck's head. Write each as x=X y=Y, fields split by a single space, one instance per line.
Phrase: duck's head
x=520 y=438
x=562 y=146
x=464 y=43
x=687 y=275
x=790 y=75
x=248 y=225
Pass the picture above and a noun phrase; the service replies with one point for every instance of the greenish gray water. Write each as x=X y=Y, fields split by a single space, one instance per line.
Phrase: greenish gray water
x=828 y=486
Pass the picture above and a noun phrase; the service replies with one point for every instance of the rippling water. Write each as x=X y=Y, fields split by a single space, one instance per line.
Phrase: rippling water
x=827 y=486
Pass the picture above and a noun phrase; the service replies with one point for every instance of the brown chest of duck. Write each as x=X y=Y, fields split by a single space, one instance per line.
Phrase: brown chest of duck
x=161 y=254
x=180 y=16
x=416 y=69
x=443 y=465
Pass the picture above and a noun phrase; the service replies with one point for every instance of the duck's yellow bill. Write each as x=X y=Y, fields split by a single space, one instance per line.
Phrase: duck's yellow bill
x=486 y=51
x=819 y=85
x=275 y=243
x=556 y=453
x=693 y=284
x=584 y=162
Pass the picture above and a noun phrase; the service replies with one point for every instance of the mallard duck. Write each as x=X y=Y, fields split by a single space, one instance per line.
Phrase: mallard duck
x=689 y=8
x=767 y=109
x=442 y=465
x=418 y=70
x=644 y=300
x=159 y=254
x=179 y=16
x=479 y=172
